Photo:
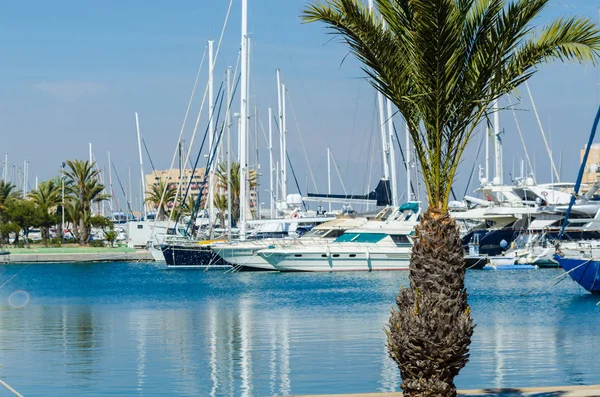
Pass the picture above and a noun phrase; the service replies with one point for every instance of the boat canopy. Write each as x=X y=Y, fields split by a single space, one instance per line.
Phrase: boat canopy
x=360 y=238
x=411 y=205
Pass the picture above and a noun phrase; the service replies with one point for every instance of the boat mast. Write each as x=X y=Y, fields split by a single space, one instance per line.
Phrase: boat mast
x=384 y=140
x=284 y=154
x=112 y=196
x=281 y=139
x=243 y=118
x=25 y=178
x=329 y=175
x=257 y=167
x=272 y=202
x=498 y=177
x=382 y=122
x=143 y=182
x=211 y=131
x=408 y=167
x=6 y=167
x=392 y=154
x=229 y=93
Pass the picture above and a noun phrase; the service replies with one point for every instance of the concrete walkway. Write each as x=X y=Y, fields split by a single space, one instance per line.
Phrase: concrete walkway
x=75 y=255
x=559 y=391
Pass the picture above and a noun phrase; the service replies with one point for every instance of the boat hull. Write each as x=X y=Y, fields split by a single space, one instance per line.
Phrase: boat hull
x=243 y=258
x=182 y=256
x=586 y=272
x=337 y=262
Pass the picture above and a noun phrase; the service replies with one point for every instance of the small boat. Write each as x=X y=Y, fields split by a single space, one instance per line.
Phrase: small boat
x=509 y=266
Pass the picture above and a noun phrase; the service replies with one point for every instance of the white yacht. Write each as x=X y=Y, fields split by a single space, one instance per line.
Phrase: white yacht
x=381 y=244
x=242 y=254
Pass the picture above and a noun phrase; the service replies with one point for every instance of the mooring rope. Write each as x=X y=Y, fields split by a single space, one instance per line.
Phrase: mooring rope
x=563 y=276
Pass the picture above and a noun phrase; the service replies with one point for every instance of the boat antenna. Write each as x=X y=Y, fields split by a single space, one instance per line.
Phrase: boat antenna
x=580 y=175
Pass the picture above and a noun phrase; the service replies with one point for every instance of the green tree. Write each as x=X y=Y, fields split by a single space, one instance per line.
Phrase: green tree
x=8 y=192
x=86 y=189
x=24 y=213
x=48 y=198
x=221 y=175
x=154 y=195
x=443 y=63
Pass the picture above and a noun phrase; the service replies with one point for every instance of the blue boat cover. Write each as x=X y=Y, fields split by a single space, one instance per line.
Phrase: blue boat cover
x=360 y=237
x=411 y=205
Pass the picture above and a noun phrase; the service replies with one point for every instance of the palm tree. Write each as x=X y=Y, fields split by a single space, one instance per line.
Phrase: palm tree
x=154 y=196
x=47 y=197
x=443 y=63
x=235 y=185
x=83 y=177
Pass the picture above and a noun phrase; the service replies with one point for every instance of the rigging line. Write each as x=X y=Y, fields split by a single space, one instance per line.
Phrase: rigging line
x=543 y=134
x=214 y=62
x=338 y=172
x=206 y=134
x=406 y=166
x=199 y=112
x=13 y=276
x=520 y=135
x=352 y=131
x=122 y=188
x=209 y=164
x=295 y=179
x=215 y=145
x=302 y=142
x=474 y=164
x=148 y=154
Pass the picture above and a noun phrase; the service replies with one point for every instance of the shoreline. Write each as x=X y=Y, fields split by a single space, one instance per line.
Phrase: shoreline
x=74 y=255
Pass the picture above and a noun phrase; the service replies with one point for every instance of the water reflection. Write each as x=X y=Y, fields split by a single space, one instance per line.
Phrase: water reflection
x=195 y=334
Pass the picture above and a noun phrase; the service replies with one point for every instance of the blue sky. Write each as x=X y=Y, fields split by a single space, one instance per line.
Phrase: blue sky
x=74 y=72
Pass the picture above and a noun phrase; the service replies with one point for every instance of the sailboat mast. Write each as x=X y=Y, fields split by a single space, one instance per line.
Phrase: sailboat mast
x=281 y=143
x=112 y=196
x=243 y=118
x=143 y=182
x=498 y=177
x=392 y=153
x=329 y=175
x=211 y=131
x=272 y=201
x=229 y=152
x=408 y=166
x=284 y=150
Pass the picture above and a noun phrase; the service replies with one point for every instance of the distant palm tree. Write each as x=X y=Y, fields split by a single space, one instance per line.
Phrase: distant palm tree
x=221 y=205
x=86 y=190
x=48 y=198
x=221 y=175
x=154 y=196
x=443 y=63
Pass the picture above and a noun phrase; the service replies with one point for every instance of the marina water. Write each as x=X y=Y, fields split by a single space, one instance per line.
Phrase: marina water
x=141 y=329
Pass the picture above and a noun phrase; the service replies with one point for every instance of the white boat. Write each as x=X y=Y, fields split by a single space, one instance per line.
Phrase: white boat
x=243 y=254
x=377 y=245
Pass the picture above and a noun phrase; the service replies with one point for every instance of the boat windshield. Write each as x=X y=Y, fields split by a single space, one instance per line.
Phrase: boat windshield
x=360 y=238
x=316 y=233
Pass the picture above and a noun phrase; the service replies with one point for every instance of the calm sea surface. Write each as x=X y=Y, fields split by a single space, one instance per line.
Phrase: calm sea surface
x=140 y=329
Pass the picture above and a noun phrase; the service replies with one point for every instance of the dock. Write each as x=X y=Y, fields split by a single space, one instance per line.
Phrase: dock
x=557 y=391
x=74 y=255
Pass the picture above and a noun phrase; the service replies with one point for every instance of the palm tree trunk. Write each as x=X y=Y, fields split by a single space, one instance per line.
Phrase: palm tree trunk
x=429 y=335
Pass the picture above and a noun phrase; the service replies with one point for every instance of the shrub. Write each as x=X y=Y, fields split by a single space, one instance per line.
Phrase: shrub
x=97 y=243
